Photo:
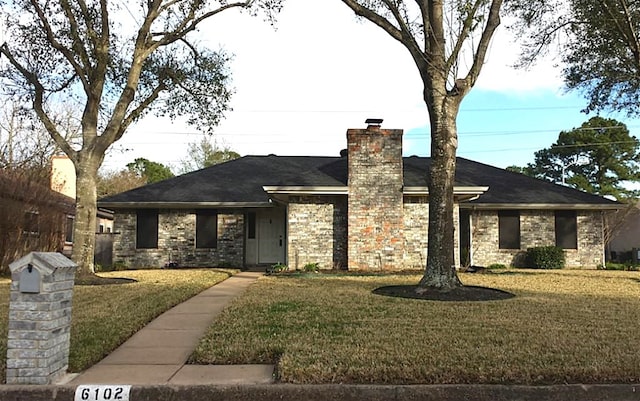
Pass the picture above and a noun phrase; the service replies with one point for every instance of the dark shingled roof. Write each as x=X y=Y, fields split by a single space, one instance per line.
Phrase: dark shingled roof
x=241 y=181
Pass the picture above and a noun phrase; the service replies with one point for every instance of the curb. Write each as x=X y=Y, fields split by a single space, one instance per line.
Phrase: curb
x=347 y=392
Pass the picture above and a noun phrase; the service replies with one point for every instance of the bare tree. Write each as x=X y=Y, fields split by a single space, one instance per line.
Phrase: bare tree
x=439 y=35
x=115 y=61
x=114 y=182
x=25 y=143
x=206 y=153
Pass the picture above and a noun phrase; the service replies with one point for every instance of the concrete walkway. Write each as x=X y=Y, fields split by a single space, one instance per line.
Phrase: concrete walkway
x=157 y=353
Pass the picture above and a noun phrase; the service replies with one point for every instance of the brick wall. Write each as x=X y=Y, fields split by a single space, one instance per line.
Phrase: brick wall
x=375 y=217
x=177 y=239
x=317 y=228
x=537 y=228
x=416 y=227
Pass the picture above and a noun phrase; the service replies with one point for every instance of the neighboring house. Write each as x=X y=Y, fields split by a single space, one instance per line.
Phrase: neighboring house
x=625 y=242
x=63 y=180
x=367 y=209
x=32 y=217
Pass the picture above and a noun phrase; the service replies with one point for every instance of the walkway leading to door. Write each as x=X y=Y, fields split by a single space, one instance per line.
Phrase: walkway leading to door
x=157 y=353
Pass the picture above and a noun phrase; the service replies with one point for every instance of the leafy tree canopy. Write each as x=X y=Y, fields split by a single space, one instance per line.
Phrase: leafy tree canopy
x=599 y=157
x=603 y=54
x=115 y=62
x=598 y=42
x=151 y=171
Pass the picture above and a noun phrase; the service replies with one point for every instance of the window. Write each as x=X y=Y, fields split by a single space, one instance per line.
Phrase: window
x=206 y=229
x=31 y=223
x=566 y=229
x=251 y=226
x=509 y=229
x=68 y=237
x=147 y=229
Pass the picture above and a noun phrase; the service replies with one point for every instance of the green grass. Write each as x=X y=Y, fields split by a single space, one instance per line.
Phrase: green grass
x=103 y=317
x=562 y=327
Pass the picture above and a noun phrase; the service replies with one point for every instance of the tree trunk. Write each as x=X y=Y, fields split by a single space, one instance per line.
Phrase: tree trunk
x=86 y=210
x=440 y=272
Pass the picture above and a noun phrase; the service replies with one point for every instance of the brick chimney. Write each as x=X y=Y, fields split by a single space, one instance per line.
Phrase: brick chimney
x=375 y=222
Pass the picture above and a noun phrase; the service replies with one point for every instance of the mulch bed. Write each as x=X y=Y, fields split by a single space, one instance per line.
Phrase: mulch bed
x=460 y=294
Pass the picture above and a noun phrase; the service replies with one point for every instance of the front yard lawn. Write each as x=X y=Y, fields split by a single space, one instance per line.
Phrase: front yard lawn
x=562 y=327
x=104 y=316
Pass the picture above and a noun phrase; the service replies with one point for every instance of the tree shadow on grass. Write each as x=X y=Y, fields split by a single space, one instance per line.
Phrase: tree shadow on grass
x=467 y=293
x=92 y=279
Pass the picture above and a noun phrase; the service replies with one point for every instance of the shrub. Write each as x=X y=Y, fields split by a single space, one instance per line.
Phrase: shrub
x=119 y=266
x=277 y=268
x=311 y=267
x=496 y=266
x=620 y=266
x=545 y=257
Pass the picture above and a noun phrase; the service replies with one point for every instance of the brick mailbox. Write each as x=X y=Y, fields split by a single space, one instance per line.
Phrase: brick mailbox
x=39 y=318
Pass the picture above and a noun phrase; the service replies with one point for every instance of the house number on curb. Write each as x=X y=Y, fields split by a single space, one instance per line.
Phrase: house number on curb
x=94 y=392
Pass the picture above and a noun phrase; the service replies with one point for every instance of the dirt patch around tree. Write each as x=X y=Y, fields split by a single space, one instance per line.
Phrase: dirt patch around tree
x=467 y=293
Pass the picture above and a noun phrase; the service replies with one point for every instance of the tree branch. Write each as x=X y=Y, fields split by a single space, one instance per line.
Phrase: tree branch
x=629 y=34
x=463 y=35
x=403 y=35
x=493 y=21
x=78 y=46
x=372 y=16
x=426 y=23
x=68 y=55
x=139 y=110
x=38 y=102
x=190 y=23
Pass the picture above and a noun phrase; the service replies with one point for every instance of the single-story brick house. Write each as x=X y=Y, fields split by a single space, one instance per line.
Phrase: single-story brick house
x=364 y=209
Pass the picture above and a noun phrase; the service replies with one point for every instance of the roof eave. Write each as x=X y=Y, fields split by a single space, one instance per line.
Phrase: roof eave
x=344 y=190
x=538 y=206
x=182 y=205
x=305 y=190
x=457 y=190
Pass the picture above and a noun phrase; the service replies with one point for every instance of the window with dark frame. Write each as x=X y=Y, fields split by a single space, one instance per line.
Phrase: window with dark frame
x=31 y=223
x=509 y=229
x=68 y=237
x=251 y=225
x=207 y=229
x=147 y=229
x=566 y=225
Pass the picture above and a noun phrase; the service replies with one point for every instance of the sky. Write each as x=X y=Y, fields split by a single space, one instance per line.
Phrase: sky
x=320 y=71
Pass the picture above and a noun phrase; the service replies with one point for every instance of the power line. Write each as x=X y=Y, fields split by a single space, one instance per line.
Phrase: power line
x=415 y=135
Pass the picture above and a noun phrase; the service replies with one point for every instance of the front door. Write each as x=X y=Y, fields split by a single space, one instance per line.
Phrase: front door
x=271 y=236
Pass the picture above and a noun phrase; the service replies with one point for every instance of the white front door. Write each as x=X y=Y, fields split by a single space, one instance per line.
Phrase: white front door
x=271 y=236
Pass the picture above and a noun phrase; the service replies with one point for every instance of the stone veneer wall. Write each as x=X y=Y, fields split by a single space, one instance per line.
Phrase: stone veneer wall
x=416 y=232
x=590 y=241
x=177 y=241
x=537 y=228
x=375 y=204
x=317 y=227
